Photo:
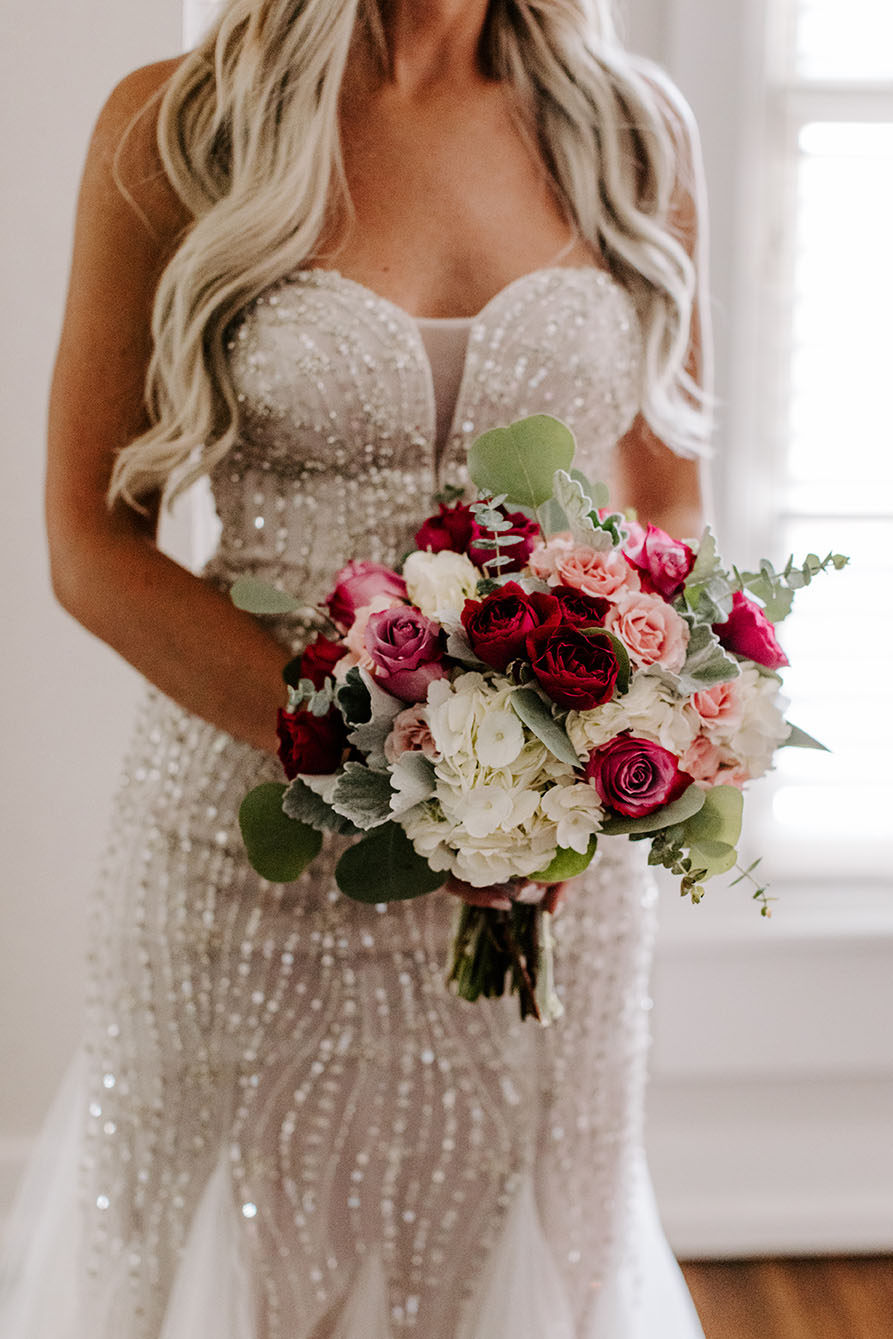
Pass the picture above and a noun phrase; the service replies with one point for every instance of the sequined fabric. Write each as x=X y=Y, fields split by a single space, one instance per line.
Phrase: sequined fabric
x=306 y=1043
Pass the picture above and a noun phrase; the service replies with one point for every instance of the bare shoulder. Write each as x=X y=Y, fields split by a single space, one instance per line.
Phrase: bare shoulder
x=124 y=165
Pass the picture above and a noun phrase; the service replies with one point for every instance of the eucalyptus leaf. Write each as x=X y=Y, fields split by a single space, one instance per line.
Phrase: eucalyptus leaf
x=799 y=739
x=385 y=867
x=567 y=864
x=688 y=804
x=712 y=858
x=521 y=459
x=718 y=819
x=363 y=796
x=278 y=847
x=305 y=805
x=259 y=597
x=536 y=714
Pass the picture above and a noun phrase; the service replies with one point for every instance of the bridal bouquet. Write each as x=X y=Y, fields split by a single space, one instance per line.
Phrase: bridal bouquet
x=540 y=674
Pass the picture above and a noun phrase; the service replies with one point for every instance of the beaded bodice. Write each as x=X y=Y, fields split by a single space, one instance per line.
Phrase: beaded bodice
x=336 y=458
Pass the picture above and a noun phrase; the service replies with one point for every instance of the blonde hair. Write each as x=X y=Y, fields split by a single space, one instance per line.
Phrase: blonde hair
x=248 y=135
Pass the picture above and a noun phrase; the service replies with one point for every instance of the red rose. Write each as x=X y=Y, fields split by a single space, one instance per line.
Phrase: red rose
x=662 y=561
x=357 y=584
x=579 y=609
x=310 y=744
x=519 y=553
x=450 y=530
x=748 y=632
x=576 y=670
x=636 y=776
x=497 y=626
x=319 y=659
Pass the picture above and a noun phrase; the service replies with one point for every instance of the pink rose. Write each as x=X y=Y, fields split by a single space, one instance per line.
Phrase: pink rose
x=720 y=707
x=636 y=776
x=410 y=733
x=355 y=640
x=650 y=629
x=748 y=632
x=405 y=649
x=544 y=556
x=606 y=574
x=357 y=584
x=702 y=759
x=663 y=561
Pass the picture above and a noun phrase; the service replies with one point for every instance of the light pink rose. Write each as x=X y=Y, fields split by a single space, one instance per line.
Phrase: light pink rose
x=720 y=707
x=355 y=641
x=410 y=733
x=606 y=574
x=357 y=585
x=650 y=629
x=544 y=556
x=702 y=759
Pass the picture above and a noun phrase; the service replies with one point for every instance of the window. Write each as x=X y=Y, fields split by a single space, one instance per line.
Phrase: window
x=826 y=365
x=197 y=14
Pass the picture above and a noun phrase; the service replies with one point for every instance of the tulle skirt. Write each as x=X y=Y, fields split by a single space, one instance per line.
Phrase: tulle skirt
x=520 y=1294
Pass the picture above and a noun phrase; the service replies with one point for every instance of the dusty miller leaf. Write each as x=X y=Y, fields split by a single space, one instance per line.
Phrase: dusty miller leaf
x=305 y=805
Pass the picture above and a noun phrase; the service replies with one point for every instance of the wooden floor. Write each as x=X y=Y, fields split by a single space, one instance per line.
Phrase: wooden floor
x=837 y=1298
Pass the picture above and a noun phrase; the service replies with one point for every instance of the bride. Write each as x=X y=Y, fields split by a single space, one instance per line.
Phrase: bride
x=281 y=1124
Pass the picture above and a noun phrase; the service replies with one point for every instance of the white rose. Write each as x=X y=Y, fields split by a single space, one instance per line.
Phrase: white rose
x=577 y=812
x=440 y=583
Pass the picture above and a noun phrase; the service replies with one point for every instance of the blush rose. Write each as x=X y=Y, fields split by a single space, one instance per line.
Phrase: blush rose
x=606 y=575
x=650 y=629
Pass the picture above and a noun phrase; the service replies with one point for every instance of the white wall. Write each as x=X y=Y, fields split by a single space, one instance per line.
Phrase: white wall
x=66 y=700
x=773 y=1076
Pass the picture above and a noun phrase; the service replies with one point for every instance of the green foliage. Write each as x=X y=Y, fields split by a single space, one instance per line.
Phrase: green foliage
x=712 y=834
x=706 y=661
x=354 y=699
x=519 y=461
x=363 y=796
x=776 y=589
x=307 y=806
x=278 y=847
x=384 y=867
x=536 y=714
x=687 y=805
x=259 y=597
x=305 y=693
x=799 y=739
x=566 y=864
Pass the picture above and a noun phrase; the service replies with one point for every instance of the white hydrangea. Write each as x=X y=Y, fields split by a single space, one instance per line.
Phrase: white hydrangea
x=651 y=710
x=577 y=812
x=440 y=583
x=763 y=726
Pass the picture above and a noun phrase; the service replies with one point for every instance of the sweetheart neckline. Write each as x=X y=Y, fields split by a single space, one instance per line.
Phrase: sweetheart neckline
x=604 y=278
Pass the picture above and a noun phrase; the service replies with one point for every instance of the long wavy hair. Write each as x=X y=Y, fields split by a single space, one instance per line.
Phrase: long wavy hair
x=248 y=134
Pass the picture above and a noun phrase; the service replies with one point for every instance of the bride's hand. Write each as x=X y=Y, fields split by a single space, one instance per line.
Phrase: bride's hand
x=500 y=896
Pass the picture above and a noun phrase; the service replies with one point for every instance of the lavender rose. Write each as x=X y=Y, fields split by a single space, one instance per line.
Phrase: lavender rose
x=636 y=776
x=356 y=585
x=405 y=649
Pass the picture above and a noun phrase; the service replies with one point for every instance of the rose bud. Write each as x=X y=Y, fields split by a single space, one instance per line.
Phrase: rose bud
x=357 y=584
x=748 y=632
x=636 y=776
x=518 y=553
x=662 y=561
x=497 y=626
x=576 y=670
x=579 y=609
x=310 y=744
x=451 y=529
x=319 y=659
x=405 y=649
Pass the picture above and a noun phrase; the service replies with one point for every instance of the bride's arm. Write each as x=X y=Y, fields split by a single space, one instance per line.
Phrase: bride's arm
x=183 y=635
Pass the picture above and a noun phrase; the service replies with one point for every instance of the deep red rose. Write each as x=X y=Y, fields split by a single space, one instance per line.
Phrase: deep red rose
x=662 y=561
x=576 y=670
x=498 y=625
x=319 y=659
x=357 y=584
x=518 y=553
x=748 y=632
x=636 y=776
x=579 y=609
x=451 y=529
x=310 y=744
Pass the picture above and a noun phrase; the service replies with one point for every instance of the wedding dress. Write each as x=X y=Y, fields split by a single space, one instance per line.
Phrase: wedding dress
x=282 y=1125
